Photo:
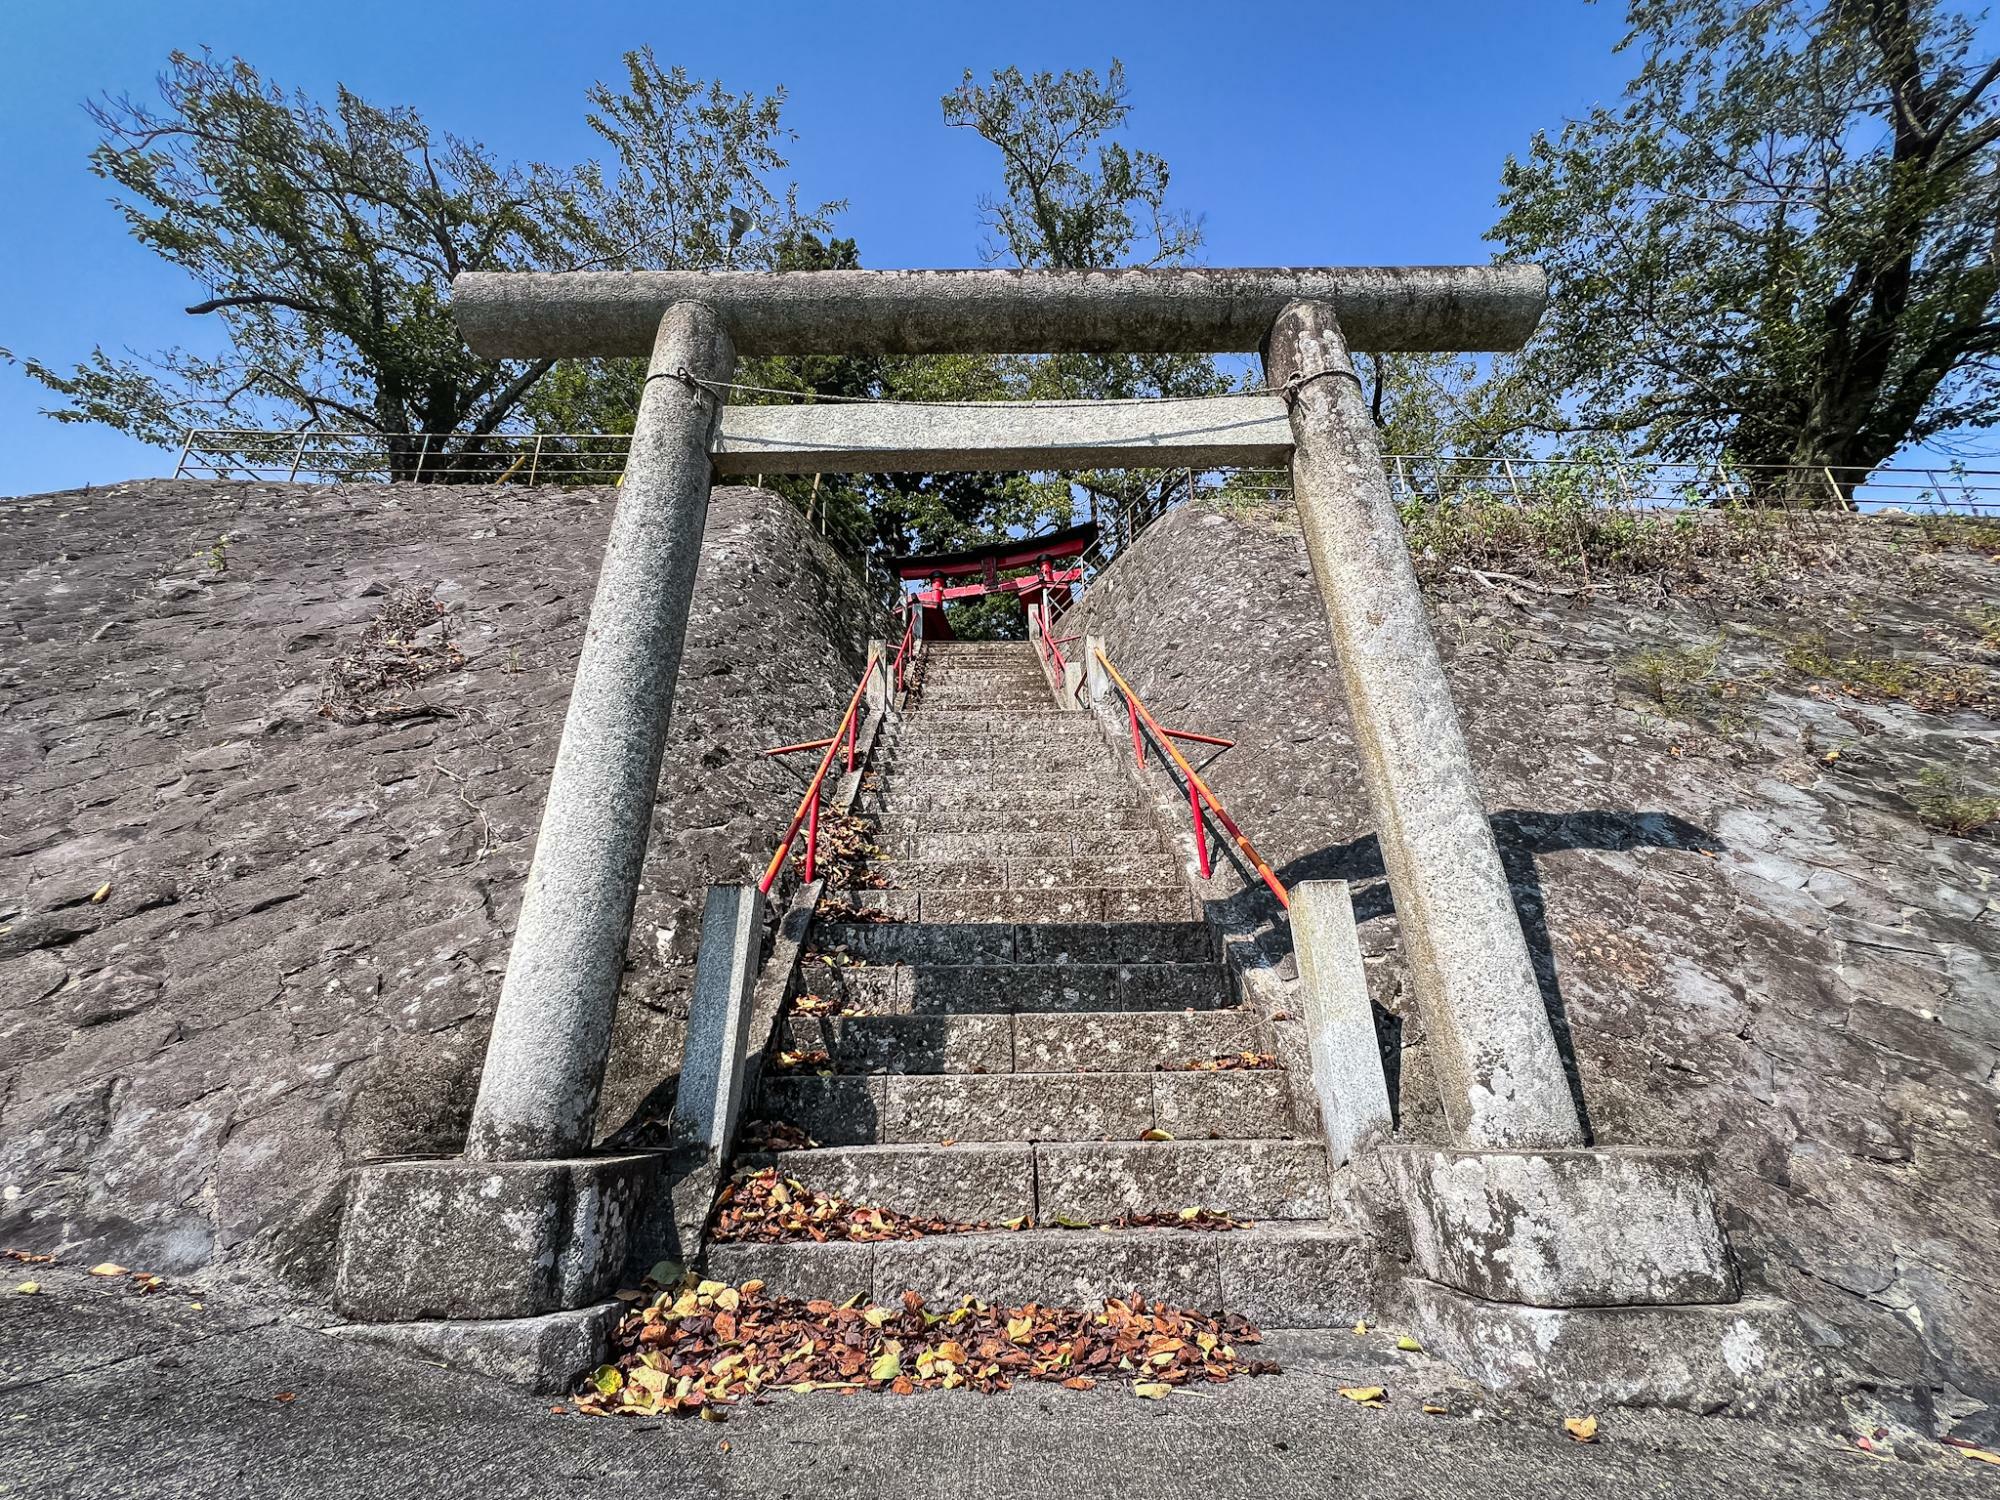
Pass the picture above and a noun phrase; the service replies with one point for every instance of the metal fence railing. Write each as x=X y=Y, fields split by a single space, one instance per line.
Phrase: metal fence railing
x=1602 y=481
x=570 y=458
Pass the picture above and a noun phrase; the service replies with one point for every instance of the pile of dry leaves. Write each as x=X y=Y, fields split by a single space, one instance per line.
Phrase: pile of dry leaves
x=408 y=642
x=767 y=1208
x=1227 y=1062
x=772 y=1135
x=711 y=1346
x=764 y=1207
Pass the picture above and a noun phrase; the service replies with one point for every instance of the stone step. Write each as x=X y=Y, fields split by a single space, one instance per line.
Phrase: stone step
x=1051 y=834
x=1094 y=942
x=979 y=906
x=996 y=1181
x=909 y=1108
x=993 y=1042
x=1140 y=869
x=1000 y=987
x=988 y=1182
x=1132 y=1040
x=1051 y=789
x=1027 y=670
x=989 y=721
x=1094 y=1181
x=908 y=1043
x=1093 y=817
x=981 y=794
x=1017 y=729
x=1276 y=1275
x=989 y=756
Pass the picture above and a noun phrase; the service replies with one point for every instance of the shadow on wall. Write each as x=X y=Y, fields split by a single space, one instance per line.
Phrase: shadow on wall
x=1522 y=836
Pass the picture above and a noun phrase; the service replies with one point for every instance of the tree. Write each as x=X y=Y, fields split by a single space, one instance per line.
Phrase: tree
x=1784 y=247
x=1074 y=197
x=326 y=240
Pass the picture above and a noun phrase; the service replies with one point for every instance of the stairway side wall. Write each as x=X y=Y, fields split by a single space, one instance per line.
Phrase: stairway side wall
x=307 y=920
x=1748 y=950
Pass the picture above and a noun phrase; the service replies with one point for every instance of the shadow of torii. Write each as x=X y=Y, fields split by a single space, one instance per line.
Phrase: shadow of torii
x=1521 y=836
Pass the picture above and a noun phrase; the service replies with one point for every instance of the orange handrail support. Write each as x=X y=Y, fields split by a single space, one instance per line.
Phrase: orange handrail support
x=808 y=812
x=903 y=647
x=1199 y=796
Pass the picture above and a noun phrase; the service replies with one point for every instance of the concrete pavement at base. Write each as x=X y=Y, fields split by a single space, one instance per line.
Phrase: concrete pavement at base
x=105 y=1390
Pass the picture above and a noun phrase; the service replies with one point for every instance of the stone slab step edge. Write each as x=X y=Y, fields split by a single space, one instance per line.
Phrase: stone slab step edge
x=1062 y=989
x=993 y=1182
x=1001 y=1042
x=1001 y=942
x=1277 y=1276
x=867 y=1109
x=978 y=905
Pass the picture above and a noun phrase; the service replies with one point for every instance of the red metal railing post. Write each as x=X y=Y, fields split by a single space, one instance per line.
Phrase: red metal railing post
x=812 y=835
x=1200 y=833
x=853 y=729
x=808 y=809
x=1200 y=798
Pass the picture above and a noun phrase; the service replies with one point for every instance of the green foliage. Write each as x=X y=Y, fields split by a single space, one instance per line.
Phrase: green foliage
x=1780 y=246
x=1076 y=197
x=1875 y=679
x=1949 y=803
x=1675 y=677
x=326 y=239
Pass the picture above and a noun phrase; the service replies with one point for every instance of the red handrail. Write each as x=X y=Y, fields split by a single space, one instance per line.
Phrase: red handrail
x=903 y=647
x=808 y=810
x=1199 y=796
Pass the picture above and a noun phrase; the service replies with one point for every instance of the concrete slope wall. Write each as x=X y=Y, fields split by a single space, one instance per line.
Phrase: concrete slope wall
x=1707 y=799
x=301 y=919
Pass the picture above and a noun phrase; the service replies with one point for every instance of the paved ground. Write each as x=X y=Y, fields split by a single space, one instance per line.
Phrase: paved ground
x=106 y=1391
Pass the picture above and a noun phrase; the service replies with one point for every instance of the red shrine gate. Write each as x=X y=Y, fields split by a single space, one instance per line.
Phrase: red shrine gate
x=986 y=564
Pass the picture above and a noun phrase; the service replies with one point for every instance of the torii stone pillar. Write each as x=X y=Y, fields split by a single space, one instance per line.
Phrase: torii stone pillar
x=1501 y=1074
x=552 y=1032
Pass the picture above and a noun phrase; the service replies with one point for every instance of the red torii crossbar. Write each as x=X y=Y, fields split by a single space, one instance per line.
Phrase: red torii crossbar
x=987 y=563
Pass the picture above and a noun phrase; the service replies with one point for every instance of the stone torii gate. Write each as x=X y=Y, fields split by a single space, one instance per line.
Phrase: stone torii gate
x=1504 y=1083
x=528 y=1223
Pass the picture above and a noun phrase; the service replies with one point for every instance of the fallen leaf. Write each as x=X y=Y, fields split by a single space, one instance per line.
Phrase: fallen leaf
x=1152 y=1390
x=28 y=1288
x=106 y=1268
x=713 y=1414
x=98 y=896
x=1155 y=1134
x=1080 y=1383
x=1360 y=1327
x=1364 y=1395
x=1981 y=1455
x=607 y=1380
x=1436 y=1411
x=1409 y=1345
x=888 y=1364
x=286 y=1396
x=1583 y=1429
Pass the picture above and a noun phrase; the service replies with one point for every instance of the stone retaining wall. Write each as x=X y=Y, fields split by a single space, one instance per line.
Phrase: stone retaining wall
x=304 y=917
x=1752 y=944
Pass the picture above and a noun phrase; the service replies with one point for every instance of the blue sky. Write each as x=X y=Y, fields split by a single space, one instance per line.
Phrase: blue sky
x=1324 y=133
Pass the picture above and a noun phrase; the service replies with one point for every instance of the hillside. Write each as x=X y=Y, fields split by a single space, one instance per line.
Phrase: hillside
x=271 y=763
x=1730 y=777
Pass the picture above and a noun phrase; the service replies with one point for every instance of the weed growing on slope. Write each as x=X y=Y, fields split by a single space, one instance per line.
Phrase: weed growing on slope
x=1949 y=803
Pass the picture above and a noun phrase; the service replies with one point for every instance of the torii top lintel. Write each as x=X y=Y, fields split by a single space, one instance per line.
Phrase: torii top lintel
x=565 y=314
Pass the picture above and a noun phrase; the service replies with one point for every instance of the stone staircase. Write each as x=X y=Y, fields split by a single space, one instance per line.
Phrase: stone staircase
x=997 y=1049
